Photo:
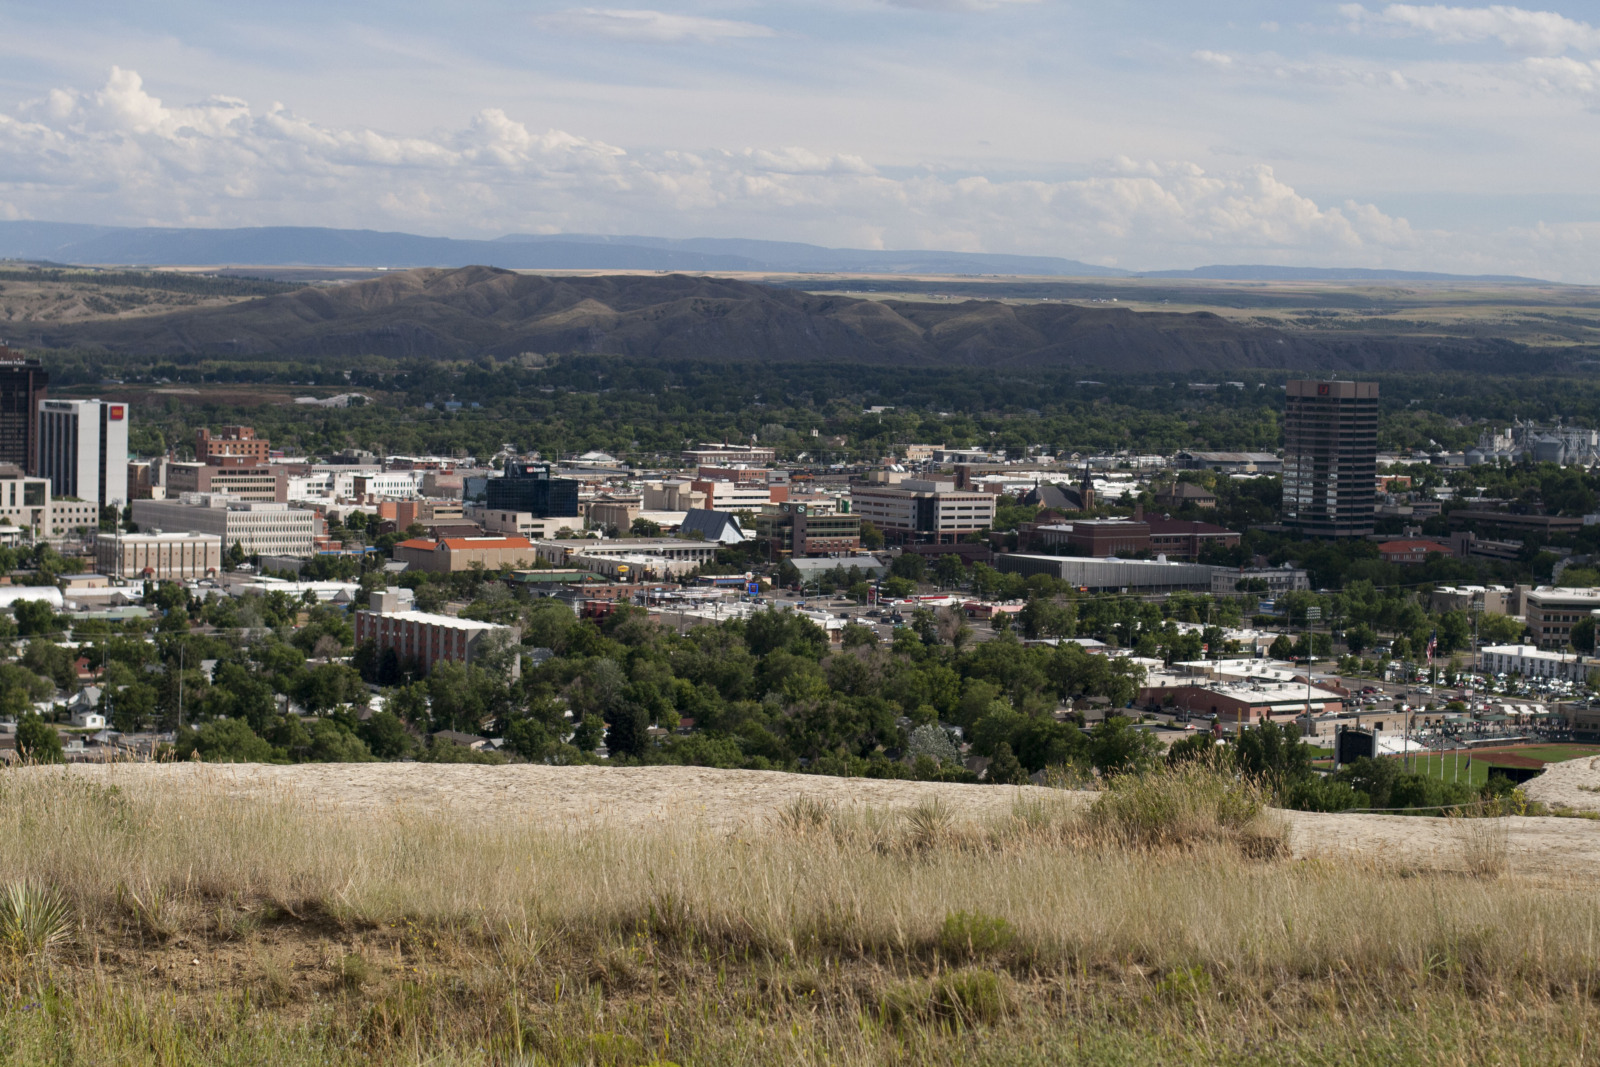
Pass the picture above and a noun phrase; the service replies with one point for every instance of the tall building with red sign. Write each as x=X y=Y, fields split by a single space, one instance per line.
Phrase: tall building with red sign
x=83 y=450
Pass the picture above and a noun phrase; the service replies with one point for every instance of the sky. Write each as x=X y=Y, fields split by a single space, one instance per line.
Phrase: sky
x=1144 y=135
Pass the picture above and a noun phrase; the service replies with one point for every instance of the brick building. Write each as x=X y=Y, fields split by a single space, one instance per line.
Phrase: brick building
x=424 y=638
x=232 y=442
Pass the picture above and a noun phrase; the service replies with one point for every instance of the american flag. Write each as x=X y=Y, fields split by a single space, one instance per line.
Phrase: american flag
x=1433 y=643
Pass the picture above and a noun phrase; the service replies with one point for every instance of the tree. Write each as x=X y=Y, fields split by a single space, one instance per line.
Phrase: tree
x=1359 y=638
x=34 y=617
x=871 y=537
x=1004 y=768
x=225 y=741
x=20 y=688
x=644 y=528
x=1499 y=629
x=948 y=569
x=38 y=741
x=443 y=750
x=236 y=556
x=1196 y=746
x=1582 y=637
x=909 y=565
x=529 y=738
x=626 y=730
x=858 y=636
x=587 y=736
x=1282 y=647
x=1274 y=753
x=932 y=741
x=386 y=735
x=332 y=743
x=1116 y=746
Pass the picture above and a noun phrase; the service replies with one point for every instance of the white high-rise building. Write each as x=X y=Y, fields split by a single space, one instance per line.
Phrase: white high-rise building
x=83 y=450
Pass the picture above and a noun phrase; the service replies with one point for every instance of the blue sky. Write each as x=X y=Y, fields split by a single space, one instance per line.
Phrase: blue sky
x=1143 y=135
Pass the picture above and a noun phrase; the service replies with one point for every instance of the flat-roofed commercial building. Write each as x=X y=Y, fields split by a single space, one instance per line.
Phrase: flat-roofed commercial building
x=727 y=495
x=720 y=455
x=1330 y=458
x=263 y=483
x=260 y=528
x=668 y=548
x=162 y=556
x=923 y=510
x=1186 y=538
x=450 y=554
x=803 y=530
x=1144 y=576
x=1096 y=537
x=1531 y=662
x=1551 y=613
x=424 y=638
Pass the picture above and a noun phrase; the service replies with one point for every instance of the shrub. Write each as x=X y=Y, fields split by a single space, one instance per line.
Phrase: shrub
x=804 y=814
x=970 y=995
x=1180 y=806
x=34 y=921
x=928 y=824
x=967 y=935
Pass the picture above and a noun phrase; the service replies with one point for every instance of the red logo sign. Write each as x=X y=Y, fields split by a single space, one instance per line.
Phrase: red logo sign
x=1322 y=390
x=115 y=414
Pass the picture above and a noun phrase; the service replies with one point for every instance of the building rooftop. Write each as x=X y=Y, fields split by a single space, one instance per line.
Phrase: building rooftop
x=451 y=622
x=460 y=544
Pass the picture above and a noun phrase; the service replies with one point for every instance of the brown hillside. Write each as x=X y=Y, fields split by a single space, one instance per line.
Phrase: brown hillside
x=472 y=311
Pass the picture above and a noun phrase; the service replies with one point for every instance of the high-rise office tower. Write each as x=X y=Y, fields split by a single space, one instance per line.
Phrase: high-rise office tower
x=529 y=487
x=23 y=383
x=83 y=449
x=1330 y=458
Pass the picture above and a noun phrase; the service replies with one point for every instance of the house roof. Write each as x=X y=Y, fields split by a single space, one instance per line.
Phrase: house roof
x=714 y=525
x=1054 y=497
x=1189 y=491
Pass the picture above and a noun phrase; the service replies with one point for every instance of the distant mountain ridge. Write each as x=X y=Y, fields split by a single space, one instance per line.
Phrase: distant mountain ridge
x=1267 y=273
x=311 y=246
x=470 y=312
x=322 y=247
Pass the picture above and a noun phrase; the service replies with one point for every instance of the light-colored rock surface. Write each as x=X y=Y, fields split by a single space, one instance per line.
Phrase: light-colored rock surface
x=715 y=798
x=1574 y=784
x=1541 y=848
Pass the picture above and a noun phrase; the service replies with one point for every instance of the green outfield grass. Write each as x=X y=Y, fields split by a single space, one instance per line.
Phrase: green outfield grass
x=1557 y=753
x=1450 y=769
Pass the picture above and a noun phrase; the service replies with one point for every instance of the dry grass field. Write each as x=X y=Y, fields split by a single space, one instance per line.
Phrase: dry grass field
x=409 y=914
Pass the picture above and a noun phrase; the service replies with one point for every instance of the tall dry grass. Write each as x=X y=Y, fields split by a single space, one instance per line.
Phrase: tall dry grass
x=883 y=886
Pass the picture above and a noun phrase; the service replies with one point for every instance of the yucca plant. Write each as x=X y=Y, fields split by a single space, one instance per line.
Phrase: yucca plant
x=34 y=921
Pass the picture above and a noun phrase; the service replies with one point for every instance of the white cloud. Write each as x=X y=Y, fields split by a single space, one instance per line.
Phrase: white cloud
x=645 y=25
x=121 y=155
x=1564 y=74
x=957 y=5
x=1543 y=33
x=1312 y=72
